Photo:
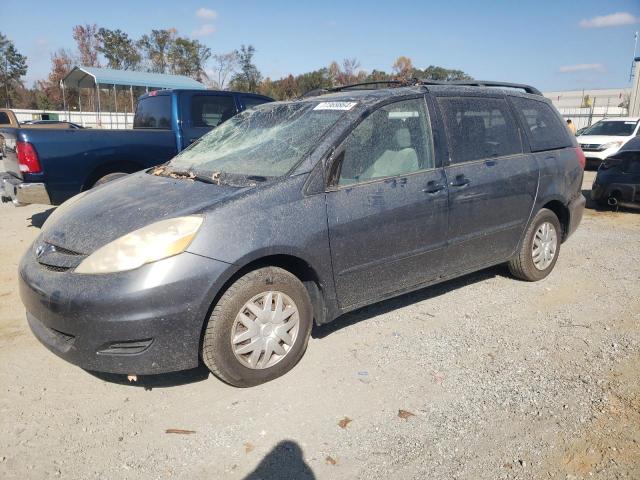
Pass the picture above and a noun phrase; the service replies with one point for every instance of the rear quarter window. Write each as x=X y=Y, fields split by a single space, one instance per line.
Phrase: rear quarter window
x=211 y=110
x=253 y=101
x=153 y=112
x=543 y=128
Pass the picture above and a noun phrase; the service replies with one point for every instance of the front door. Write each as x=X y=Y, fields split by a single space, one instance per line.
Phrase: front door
x=492 y=184
x=386 y=205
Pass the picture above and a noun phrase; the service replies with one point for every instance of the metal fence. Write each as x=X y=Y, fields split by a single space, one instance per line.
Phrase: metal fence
x=106 y=120
x=584 y=117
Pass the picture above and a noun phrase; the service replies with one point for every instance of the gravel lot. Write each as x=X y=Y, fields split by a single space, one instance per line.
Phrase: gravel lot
x=497 y=379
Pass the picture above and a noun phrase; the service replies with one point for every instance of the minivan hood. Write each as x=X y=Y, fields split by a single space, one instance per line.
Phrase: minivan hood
x=124 y=205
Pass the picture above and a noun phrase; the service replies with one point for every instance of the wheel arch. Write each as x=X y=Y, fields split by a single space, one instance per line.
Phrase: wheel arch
x=124 y=166
x=562 y=212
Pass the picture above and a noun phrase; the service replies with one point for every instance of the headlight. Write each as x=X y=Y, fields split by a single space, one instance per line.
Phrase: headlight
x=607 y=146
x=148 y=244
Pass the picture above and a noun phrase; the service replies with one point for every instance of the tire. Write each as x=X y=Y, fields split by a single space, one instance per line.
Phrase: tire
x=225 y=359
x=107 y=178
x=523 y=266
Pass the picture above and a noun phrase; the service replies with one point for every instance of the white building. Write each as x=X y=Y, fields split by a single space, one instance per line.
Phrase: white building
x=585 y=107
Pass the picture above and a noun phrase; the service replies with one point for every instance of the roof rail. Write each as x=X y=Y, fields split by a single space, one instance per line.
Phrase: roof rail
x=320 y=91
x=483 y=83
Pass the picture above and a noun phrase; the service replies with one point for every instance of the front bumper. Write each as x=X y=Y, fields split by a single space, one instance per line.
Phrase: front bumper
x=21 y=193
x=142 y=322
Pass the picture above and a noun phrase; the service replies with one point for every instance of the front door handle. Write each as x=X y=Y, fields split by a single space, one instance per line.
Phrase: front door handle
x=433 y=187
x=460 y=181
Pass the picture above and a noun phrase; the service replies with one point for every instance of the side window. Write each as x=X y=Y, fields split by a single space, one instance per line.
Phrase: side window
x=4 y=119
x=394 y=140
x=153 y=112
x=210 y=110
x=543 y=127
x=253 y=101
x=479 y=128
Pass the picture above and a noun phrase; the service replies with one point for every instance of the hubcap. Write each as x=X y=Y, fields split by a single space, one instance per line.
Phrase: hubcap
x=545 y=242
x=265 y=329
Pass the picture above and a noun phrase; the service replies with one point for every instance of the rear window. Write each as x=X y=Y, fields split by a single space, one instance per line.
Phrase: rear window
x=153 y=112
x=542 y=125
x=211 y=110
x=479 y=128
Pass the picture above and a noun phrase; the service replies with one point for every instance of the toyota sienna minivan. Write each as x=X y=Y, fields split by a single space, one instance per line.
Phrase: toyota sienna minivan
x=293 y=213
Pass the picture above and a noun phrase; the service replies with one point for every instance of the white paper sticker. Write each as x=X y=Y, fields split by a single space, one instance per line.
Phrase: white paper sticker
x=335 y=105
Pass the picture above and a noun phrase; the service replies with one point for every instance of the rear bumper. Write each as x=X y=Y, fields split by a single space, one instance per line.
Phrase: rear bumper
x=21 y=193
x=576 y=209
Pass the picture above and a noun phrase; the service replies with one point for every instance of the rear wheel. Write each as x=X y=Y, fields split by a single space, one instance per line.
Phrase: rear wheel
x=539 y=249
x=259 y=329
x=109 y=177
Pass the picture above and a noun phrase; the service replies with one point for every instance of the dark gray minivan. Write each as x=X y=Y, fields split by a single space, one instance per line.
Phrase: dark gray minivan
x=293 y=213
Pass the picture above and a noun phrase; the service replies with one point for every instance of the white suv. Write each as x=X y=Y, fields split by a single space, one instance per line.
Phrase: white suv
x=604 y=138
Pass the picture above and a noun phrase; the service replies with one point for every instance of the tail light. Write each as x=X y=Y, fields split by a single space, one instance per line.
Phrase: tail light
x=581 y=158
x=28 y=158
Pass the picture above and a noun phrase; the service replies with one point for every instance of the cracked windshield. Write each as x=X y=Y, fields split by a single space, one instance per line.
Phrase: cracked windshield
x=266 y=141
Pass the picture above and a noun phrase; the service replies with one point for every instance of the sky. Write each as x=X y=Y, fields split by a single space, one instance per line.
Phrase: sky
x=553 y=45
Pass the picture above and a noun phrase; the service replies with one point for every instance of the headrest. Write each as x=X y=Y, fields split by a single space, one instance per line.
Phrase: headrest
x=403 y=138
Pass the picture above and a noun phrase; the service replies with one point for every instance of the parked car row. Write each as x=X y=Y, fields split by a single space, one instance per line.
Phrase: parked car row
x=291 y=214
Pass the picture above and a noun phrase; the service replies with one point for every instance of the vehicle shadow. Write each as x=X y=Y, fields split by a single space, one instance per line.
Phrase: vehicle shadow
x=285 y=460
x=407 y=299
x=201 y=373
x=163 y=380
x=38 y=219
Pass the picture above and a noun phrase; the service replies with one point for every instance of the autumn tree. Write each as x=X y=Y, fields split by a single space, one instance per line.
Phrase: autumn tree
x=248 y=76
x=13 y=66
x=119 y=50
x=86 y=37
x=188 y=57
x=403 y=69
x=156 y=47
x=61 y=64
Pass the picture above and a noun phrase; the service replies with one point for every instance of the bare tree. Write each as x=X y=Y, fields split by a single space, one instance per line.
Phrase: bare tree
x=225 y=64
x=350 y=68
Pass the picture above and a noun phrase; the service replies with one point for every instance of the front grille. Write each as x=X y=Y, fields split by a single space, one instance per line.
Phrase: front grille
x=57 y=259
x=54 y=268
x=590 y=147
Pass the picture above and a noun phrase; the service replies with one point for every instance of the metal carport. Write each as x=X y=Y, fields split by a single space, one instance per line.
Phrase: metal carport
x=99 y=78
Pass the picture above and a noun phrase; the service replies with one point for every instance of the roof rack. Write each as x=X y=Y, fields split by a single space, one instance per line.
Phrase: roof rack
x=417 y=81
x=483 y=83
x=320 y=91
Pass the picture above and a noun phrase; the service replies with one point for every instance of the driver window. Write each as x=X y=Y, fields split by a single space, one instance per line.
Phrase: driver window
x=394 y=140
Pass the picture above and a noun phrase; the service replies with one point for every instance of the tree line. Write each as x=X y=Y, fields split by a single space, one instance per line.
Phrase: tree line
x=164 y=51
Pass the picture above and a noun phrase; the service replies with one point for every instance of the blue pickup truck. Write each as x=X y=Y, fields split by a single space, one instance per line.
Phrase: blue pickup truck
x=49 y=166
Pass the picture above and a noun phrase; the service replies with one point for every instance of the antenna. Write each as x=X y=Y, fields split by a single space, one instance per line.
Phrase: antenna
x=633 y=62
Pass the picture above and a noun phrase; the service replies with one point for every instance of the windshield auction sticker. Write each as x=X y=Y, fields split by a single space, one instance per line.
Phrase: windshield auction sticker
x=335 y=105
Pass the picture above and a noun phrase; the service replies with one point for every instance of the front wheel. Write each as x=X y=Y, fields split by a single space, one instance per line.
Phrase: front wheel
x=540 y=247
x=259 y=329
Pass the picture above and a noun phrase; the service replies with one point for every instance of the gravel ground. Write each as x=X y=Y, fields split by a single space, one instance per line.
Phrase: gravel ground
x=495 y=378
